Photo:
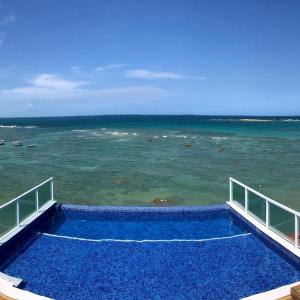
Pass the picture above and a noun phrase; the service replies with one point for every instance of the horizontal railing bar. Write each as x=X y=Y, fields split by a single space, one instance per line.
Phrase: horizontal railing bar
x=4 y=226
x=27 y=218
x=27 y=192
x=292 y=211
x=283 y=235
x=256 y=218
x=8 y=232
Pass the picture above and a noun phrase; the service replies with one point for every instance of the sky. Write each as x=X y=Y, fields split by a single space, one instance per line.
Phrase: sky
x=207 y=57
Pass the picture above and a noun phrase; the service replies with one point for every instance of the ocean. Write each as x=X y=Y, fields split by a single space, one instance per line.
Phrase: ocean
x=133 y=159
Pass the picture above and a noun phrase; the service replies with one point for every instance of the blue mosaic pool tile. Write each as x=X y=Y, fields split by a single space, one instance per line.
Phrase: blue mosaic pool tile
x=218 y=269
x=229 y=268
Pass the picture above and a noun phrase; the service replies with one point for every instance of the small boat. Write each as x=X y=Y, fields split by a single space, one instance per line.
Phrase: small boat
x=17 y=143
x=31 y=145
x=2 y=142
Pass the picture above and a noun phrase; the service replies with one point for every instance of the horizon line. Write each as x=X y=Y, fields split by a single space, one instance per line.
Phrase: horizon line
x=158 y=115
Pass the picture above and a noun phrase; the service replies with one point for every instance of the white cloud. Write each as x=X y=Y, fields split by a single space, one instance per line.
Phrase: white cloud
x=8 y=19
x=53 y=87
x=55 y=82
x=46 y=86
x=147 y=74
x=110 y=67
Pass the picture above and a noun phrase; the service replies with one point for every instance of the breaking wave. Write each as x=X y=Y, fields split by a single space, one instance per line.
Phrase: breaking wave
x=16 y=126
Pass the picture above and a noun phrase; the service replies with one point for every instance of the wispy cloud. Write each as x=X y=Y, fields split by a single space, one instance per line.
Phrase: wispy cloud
x=8 y=19
x=110 y=67
x=46 y=86
x=148 y=74
x=55 y=82
x=76 y=69
x=53 y=87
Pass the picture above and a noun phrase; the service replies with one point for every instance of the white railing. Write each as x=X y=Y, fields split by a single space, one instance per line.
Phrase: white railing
x=245 y=203
x=39 y=203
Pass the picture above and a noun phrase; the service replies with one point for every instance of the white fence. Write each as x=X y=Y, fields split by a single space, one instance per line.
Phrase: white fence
x=16 y=212
x=275 y=216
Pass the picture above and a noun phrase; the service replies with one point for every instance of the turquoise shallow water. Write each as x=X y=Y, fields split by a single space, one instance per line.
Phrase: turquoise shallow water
x=131 y=160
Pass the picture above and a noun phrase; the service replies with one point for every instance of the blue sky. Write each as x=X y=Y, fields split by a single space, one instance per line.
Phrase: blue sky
x=76 y=57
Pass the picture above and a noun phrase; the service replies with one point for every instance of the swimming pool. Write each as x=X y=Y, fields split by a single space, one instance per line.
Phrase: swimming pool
x=148 y=253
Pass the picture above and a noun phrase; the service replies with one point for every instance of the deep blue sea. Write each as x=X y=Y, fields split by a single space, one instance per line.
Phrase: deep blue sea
x=132 y=160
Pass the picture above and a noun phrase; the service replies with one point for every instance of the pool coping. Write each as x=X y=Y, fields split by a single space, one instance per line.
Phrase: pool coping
x=9 y=290
x=274 y=294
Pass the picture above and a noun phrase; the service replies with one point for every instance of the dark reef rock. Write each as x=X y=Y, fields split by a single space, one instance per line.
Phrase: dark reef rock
x=159 y=201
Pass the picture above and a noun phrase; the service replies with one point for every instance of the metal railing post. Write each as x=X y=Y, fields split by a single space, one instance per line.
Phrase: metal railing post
x=246 y=200
x=230 y=191
x=37 y=206
x=296 y=231
x=52 y=189
x=18 y=213
x=267 y=214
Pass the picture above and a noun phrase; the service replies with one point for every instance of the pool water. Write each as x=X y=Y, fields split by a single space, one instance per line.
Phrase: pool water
x=201 y=254
x=146 y=229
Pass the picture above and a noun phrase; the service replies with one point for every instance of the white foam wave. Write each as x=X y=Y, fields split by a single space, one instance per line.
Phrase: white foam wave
x=256 y=120
x=79 y=130
x=218 y=138
x=102 y=132
x=96 y=134
x=8 y=126
x=180 y=136
x=117 y=133
x=290 y=120
x=16 y=126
